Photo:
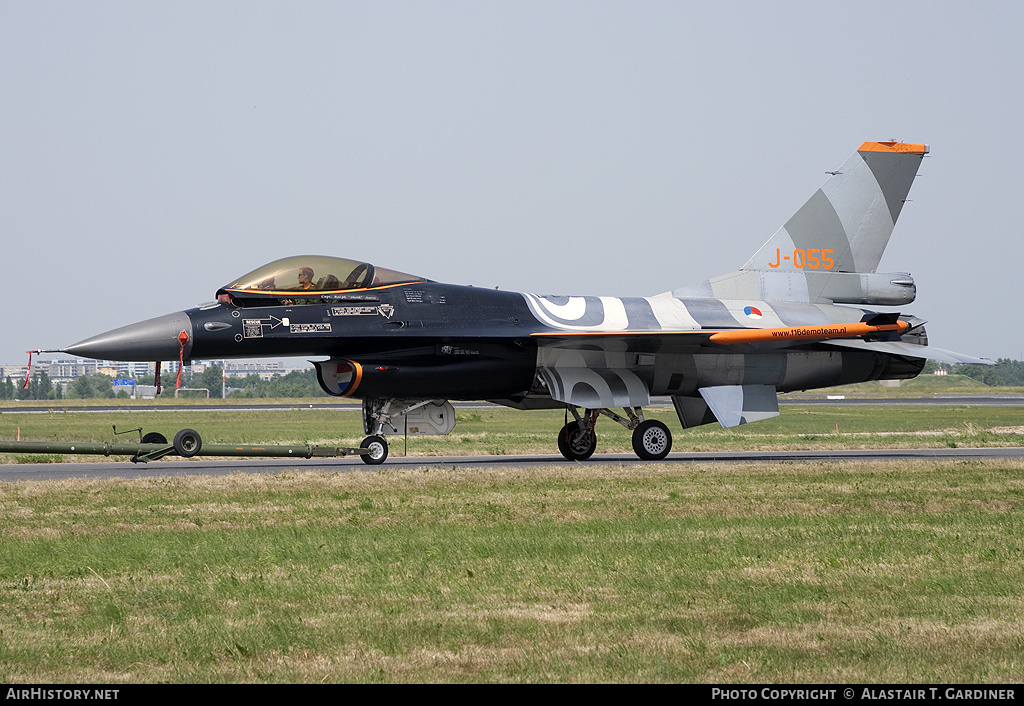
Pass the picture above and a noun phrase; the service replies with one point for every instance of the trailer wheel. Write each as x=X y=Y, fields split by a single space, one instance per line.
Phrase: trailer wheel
x=154 y=437
x=187 y=443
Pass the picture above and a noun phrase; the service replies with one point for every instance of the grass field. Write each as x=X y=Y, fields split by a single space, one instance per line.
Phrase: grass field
x=856 y=572
x=697 y=572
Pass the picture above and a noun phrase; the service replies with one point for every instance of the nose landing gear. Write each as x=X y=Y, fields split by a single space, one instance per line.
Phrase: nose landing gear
x=387 y=415
x=378 y=450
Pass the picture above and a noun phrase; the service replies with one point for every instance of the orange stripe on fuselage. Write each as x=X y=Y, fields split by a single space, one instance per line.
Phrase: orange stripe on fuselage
x=893 y=147
x=750 y=335
x=658 y=332
x=306 y=293
x=805 y=333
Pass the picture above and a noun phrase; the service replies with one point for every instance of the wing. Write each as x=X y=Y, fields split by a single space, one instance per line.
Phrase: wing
x=621 y=369
x=616 y=369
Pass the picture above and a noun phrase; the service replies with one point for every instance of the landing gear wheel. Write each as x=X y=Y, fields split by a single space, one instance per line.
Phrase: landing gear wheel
x=378 y=447
x=187 y=443
x=652 y=440
x=154 y=437
x=575 y=444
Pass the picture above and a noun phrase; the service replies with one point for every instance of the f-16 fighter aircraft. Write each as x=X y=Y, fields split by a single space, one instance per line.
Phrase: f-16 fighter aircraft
x=788 y=319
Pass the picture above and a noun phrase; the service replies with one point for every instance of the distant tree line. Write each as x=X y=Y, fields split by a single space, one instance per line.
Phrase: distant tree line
x=1005 y=373
x=297 y=383
x=40 y=387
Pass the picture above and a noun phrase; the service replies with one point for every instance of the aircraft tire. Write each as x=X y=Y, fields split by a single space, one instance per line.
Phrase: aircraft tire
x=573 y=446
x=652 y=440
x=378 y=446
x=187 y=443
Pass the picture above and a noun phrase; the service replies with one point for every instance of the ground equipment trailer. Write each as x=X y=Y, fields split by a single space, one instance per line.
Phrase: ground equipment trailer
x=187 y=443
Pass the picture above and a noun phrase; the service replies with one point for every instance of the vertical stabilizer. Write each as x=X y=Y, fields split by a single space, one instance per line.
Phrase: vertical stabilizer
x=852 y=215
x=829 y=250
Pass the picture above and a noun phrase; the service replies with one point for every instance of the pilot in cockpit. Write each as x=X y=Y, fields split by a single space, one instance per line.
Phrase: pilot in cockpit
x=305 y=282
x=320 y=279
x=306 y=278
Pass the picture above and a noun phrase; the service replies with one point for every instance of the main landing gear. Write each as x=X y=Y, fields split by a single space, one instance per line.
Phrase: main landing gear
x=577 y=441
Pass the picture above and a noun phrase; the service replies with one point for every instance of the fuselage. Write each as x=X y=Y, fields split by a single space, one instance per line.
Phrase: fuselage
x=434 y=340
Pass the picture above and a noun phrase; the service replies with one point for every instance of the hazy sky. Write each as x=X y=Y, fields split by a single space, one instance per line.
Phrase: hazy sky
x=151 y=152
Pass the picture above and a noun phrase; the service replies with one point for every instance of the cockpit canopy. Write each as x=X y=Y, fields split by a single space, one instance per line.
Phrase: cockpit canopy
x=307 y=276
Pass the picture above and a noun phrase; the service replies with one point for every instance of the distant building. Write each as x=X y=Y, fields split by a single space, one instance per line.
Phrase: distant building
x=69 y=369
x=64 y=370
x=14 y=372
x=265 y=370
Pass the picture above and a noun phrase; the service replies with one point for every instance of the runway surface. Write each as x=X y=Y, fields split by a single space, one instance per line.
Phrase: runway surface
x=162 y=469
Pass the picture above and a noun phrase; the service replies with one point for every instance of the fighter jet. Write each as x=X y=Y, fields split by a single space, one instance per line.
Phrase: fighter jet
x=790 y=318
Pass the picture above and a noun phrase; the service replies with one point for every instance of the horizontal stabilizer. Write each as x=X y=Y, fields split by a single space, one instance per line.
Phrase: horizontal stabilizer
x=911 y=350
x=733 y=405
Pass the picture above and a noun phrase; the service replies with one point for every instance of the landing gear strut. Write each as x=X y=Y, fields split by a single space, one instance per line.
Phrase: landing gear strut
x=577 y=440
x=389 y=415
x=375 y=417
x=651 y=439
